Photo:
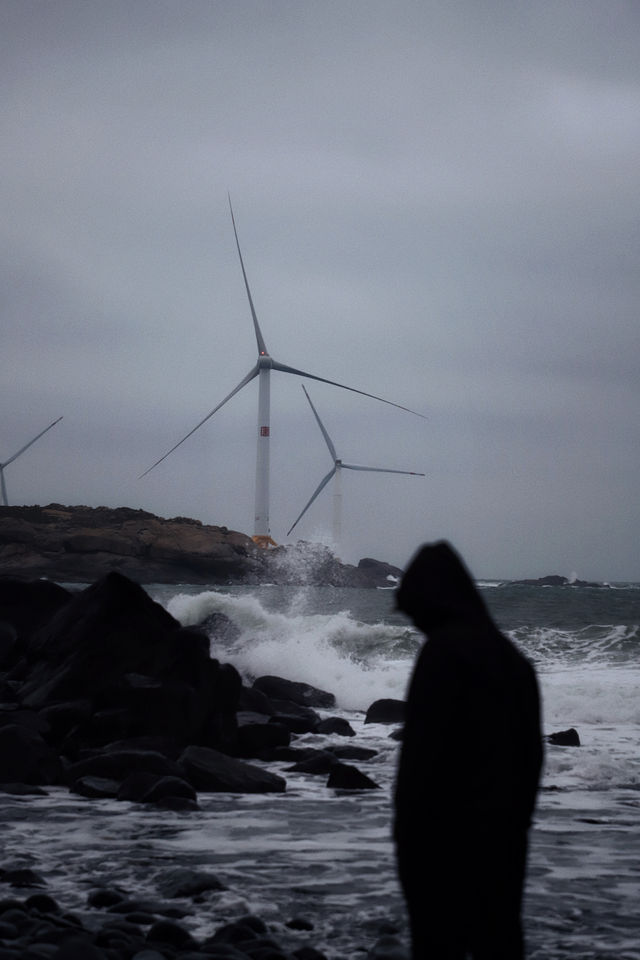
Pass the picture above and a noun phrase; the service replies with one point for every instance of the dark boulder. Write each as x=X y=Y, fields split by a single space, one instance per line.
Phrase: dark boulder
x=211 y=771
x=301 y=693
x=386 y=711
x=321 y=763
x=348 y=751
x=565 y=738
x=119 y=764
x=337 y=725
x=345 y=777
x=183 y=882
x=101 y=788
x=26 y=605
x=140 y=671
x=26 y=758
x=256 y=738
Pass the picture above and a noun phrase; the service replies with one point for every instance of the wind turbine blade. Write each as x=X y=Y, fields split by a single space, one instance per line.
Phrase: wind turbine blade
x=310 y=376
x=318 y=489
x=357 y=466
x=328 y=441
x=3 y=486
x=252 y=373
x=262 y=349
x=27 y=445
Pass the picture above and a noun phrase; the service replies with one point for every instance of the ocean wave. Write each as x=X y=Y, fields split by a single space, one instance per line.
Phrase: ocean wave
x=358 y=662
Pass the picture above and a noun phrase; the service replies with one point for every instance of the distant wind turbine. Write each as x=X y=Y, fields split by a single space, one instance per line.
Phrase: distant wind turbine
x=262 y=369
x=338 y=466
x=6 y=463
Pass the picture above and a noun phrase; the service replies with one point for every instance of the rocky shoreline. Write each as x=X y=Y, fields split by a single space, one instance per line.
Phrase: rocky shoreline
x=78 y=544
x=104 y=694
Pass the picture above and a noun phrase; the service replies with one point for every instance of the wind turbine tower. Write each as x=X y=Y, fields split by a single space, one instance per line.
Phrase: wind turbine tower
x=338 y=466
x=262 y=369
x=6 y=463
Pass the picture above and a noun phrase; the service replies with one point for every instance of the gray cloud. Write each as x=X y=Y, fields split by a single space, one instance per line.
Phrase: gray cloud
x=437 y=202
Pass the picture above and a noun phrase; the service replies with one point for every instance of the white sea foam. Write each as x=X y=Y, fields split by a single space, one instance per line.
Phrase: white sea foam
x=331 y=651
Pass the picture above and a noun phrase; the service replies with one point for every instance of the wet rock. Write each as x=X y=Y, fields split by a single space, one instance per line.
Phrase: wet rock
x=119 y=764
x=321 y=763
x=22 y=790
x=163 y=931
x=386 y=710
x=182 y=882
x=97 y=788
x=301 y=693
x=349 y=751
x=26 y=758
x=255 y=738
x=337 y=725
x=169 y=788
x=212 y=771
x=299 y=923
x=343 y=776
x=565 y=738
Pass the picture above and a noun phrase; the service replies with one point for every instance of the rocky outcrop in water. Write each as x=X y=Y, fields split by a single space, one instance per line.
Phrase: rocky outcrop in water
x=81 y=544
x=103 y=691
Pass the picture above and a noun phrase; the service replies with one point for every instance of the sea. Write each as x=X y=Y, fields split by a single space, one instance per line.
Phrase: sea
x=318 y=864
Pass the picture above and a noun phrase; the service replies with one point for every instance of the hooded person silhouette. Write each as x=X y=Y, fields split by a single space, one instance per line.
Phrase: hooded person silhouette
x=468 y=773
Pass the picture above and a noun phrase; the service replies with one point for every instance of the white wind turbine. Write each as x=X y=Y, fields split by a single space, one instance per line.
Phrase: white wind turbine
x=338 y=466
x=6 y=463
x=262 y=369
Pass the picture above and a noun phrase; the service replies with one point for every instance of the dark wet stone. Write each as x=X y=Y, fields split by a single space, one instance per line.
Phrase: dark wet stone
x=343 y=776
x=294 y=723
x=169 y=787
x=26 y=758
x=246 y=928
x=23 y=877
x=8 y=931
x=299 y=923
x=337 y=725
x=22 y=790
x=41 y=902
x=301 y=693
x=98 y=788
x=308 y=953
x=386 y=711
x=210 y=770
x=255 y=738
x=348 y=751
x=565 y=738
x=119 y=764
x=183 y=882
x=105 y=898
x=321 y=763
x=163 y=931
x=80 y=948
x=136 y=785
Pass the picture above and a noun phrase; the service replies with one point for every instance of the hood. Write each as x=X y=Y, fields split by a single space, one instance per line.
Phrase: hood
x=438 y=589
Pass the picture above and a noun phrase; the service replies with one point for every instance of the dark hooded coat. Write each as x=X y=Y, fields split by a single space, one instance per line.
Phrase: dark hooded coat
x=469 y=768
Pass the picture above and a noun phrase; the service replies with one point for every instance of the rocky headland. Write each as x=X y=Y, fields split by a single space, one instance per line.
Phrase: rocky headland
x=81 y=544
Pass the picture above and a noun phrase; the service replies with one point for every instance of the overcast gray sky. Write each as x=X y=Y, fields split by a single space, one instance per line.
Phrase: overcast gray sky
x=437 y=202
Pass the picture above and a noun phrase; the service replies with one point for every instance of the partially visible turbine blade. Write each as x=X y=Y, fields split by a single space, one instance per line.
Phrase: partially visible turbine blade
x=357 y=466
x=310 y=376
x=27 y=445
x=262 y=349
x=332 y=449
x=252 y=373
x=319 y=488
x=5 y=499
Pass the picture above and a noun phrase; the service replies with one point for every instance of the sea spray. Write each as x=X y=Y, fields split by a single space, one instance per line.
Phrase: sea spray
x=358 y=662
